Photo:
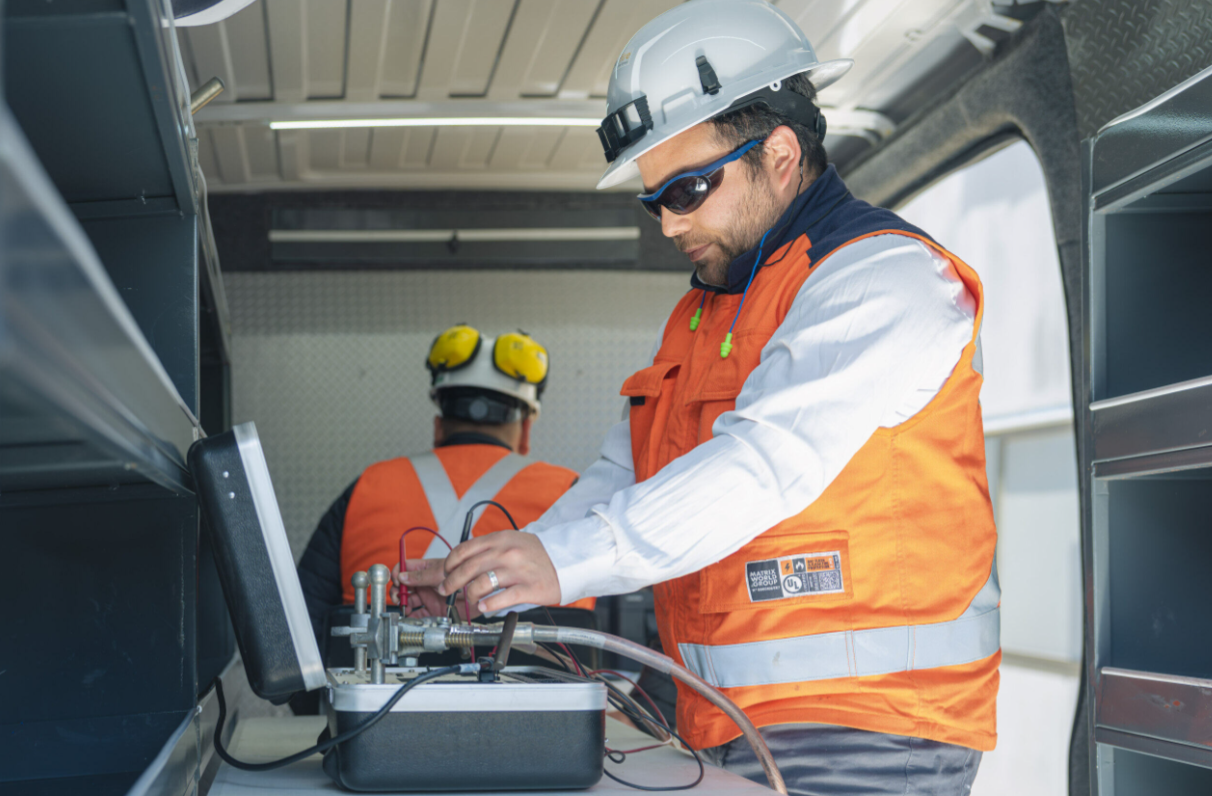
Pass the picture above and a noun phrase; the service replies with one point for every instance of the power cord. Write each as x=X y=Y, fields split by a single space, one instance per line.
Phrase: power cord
x=331 y=742
x=618 y=757
x=632 y=710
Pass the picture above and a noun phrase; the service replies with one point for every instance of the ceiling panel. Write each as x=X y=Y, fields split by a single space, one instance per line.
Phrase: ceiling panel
x=449 y=148
x=293 y=155
x=286 y=21
x=418 y=144
x=386 y=147
x=355 y=148
x=365 y=59
x=249 y=48
x=615 y=24
x=511 y=148
x=364 y=67
x=464 y=40
x=324 y=149
x=208 y=49
x=325 y=25
x=570 y=152
x=404 y=43
x=542 y=40
x=884 y=42
x=261 y=149
x=543 y=142
x=479 y=147
x=229 y=152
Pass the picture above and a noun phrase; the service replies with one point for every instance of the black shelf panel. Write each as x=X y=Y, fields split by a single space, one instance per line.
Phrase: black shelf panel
x=83 y=398
x=118 y=140
x=1173 y=753
x=110 y=65
x=1160 y=707
x=1157 y=545
x=1136 y=142
x=1188 y=463
x=1170 y=418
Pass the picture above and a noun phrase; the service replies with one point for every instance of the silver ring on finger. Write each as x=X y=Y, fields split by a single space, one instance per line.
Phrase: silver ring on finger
x=492 y=578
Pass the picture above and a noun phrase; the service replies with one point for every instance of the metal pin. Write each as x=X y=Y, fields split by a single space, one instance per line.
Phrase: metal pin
x=205 y=93
x=380 y=576
x=360 y=581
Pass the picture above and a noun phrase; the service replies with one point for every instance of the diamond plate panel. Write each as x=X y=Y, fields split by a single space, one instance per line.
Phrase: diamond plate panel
x=1123 y=53
x=329 y=365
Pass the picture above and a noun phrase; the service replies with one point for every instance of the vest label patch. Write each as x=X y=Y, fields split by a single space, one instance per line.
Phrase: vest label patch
x=794 y=576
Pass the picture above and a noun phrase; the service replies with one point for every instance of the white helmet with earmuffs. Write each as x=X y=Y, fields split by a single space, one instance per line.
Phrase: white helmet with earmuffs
x=486 y=379
x=697 y=61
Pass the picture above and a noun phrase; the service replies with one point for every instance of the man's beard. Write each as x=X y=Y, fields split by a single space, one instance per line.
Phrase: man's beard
x=756 y=214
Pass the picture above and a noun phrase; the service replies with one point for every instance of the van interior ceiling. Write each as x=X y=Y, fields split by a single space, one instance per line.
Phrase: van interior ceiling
x=235 y=227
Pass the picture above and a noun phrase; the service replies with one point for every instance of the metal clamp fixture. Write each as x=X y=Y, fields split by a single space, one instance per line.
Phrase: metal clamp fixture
x=381 y=638
x=375 y=636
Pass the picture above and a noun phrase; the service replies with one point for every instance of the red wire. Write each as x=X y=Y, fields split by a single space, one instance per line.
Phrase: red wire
x=657 y=714
x=402 y=594
x=575 y=662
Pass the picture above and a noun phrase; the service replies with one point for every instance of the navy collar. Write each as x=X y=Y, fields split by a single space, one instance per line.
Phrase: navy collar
x=473 y=438
x=806 y=211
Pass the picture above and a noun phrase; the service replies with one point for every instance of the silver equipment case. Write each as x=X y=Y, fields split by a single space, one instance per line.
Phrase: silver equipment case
x=534 y=728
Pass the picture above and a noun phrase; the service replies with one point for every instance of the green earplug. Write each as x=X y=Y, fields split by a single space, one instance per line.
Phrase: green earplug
x=694 y=322
x=726 y=346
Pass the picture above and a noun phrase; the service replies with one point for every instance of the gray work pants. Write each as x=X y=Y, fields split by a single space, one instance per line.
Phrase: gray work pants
x=826 y=760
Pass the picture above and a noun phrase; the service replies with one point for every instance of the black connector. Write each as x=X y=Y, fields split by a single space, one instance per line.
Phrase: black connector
x=707 y=78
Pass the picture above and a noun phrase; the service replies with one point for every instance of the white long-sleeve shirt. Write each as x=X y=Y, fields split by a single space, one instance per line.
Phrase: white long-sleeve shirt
x=870 y=338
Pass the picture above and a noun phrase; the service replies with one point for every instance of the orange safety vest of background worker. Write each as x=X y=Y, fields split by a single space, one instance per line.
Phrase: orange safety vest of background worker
x=487 y=391
x=905 y=535
x=390 y=497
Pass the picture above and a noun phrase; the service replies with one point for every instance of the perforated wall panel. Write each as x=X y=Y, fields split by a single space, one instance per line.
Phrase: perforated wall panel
x=330 y=365
x=1123 y=53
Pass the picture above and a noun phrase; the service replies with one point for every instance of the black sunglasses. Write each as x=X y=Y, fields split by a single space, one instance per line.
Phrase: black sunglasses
x=686 y=192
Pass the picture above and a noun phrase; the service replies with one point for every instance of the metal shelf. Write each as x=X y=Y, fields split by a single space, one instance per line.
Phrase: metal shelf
x=1157 y=714
x=1180 y=464
x=1151 y=136
x=83 y=399
x=1171 y=418
x=118 y=140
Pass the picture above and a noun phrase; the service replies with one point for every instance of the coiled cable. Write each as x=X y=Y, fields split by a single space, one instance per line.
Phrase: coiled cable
x=666 y=665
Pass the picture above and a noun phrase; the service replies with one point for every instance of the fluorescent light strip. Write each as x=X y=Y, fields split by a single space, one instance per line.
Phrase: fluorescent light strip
x=452 y=121
x=443 y=235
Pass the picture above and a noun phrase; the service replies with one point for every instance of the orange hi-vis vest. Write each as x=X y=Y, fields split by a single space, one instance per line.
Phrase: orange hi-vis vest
x=436 y=490
x=877 y=606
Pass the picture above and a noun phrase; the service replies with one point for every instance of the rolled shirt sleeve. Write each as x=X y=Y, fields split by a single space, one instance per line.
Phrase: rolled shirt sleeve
x=867 y=343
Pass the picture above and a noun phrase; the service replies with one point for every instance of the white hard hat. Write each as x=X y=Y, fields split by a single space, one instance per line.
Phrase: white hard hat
x=512 y=364
x=697 y=61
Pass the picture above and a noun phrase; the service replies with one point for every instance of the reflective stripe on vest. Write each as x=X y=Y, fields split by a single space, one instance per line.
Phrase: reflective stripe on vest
x=448 y=509
x=973 y=636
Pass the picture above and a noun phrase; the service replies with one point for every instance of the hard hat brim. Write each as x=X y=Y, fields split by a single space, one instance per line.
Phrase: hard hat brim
x=624 y=167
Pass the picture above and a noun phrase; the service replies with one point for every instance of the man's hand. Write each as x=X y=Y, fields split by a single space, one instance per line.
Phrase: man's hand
x=522 y=566
x=422 y=577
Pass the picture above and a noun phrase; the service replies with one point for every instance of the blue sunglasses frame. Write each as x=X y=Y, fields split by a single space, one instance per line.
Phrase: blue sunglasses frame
x=652 y=201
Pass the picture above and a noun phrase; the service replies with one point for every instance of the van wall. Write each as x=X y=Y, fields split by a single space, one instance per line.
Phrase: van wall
x=330 y=364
